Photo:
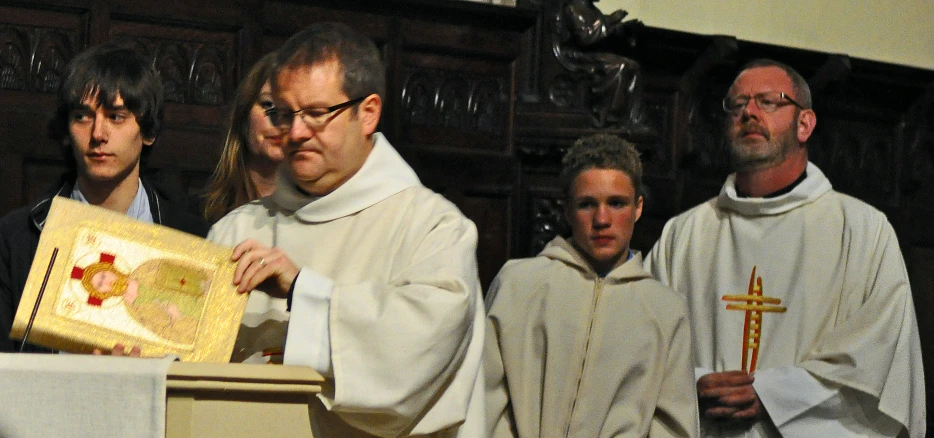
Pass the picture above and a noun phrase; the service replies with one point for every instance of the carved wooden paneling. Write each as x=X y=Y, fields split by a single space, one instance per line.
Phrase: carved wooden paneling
x=456 y=86
x=859 y=158
x=197 y=66
x=34 y=48
x=546 y=211
x=437 y=104
x=32 y=59
x=659 y=111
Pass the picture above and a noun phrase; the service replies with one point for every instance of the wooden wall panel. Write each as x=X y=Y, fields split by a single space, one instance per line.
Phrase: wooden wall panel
x=454 y=103
x=35 y=45
x=197 y=67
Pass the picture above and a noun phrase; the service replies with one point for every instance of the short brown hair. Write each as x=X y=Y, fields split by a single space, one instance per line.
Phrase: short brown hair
x=601 y=151
x=356 y=54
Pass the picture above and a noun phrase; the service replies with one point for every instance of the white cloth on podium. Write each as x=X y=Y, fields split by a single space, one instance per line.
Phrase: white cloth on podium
x=46 y=395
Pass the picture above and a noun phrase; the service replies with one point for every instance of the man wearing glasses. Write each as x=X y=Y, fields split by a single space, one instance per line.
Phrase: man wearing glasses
x=355 y=268
x=799 y=300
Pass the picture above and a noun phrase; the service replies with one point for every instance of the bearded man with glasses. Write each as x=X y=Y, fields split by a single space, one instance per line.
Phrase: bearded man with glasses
x=800 y=306
x=353 y=267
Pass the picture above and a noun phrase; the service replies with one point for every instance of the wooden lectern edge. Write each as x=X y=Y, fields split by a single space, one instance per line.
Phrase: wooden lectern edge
x=239 y=400
x=265 y=388
x=243 y=378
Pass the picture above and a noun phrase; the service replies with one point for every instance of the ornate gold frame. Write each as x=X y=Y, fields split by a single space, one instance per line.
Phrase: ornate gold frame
x=58 y=309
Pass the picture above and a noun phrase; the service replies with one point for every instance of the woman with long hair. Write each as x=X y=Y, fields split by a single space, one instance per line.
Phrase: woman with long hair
x=253 y=150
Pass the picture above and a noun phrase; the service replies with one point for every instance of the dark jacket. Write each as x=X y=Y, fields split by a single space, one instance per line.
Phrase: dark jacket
x=19 y=238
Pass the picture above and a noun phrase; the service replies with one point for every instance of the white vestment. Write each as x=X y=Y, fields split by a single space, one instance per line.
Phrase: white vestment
x=569 y=353
x=844 y=359
x=387 y=303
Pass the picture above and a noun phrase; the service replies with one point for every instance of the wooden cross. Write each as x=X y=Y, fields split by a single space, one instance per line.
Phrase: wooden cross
x=755 y=304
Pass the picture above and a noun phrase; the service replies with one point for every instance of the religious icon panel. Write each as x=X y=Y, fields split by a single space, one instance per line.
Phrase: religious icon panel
x=100 y=278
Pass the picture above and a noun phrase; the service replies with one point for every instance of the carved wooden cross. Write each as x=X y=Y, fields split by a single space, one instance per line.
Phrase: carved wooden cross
x=755 y=305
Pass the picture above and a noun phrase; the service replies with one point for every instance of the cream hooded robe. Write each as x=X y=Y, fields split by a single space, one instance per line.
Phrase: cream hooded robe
x=570 y=354
x=387 y=303
x=844 y=358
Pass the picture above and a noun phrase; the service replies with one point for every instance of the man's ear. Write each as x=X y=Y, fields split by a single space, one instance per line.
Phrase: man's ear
x=369 y=112
x=807 y=120
x=639 y=208
x=148 y=141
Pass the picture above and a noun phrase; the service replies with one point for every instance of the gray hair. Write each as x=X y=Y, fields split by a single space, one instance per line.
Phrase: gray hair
x=798 y=83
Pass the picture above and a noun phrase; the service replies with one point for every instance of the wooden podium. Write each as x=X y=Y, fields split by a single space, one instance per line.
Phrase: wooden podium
x=239 y=400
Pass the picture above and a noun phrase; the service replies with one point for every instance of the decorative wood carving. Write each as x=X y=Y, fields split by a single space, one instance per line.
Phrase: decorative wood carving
x=547 y=221
x=859 y=158
x=208 y=76
x=14 y=58
x=452 y=99
x=196 y=71
x=33 y=58
x=658 y=112
x=706 y=154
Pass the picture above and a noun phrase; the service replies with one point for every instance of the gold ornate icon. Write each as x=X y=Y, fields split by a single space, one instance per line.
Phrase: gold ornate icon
x=100 y=278
x=755 y=304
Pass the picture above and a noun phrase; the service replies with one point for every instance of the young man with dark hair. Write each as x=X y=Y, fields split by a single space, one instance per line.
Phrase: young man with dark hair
x=109 y=113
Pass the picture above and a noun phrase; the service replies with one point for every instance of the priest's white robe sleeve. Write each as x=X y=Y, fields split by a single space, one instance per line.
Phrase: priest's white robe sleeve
x=874 y=344
x=308 y=333
x=800 y=405
x=395 y=347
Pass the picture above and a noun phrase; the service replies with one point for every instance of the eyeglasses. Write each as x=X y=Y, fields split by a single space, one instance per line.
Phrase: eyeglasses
x=767 y=102
x=314 y=118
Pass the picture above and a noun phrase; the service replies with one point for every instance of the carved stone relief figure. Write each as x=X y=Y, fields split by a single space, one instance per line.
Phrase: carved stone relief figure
x=614 y=80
